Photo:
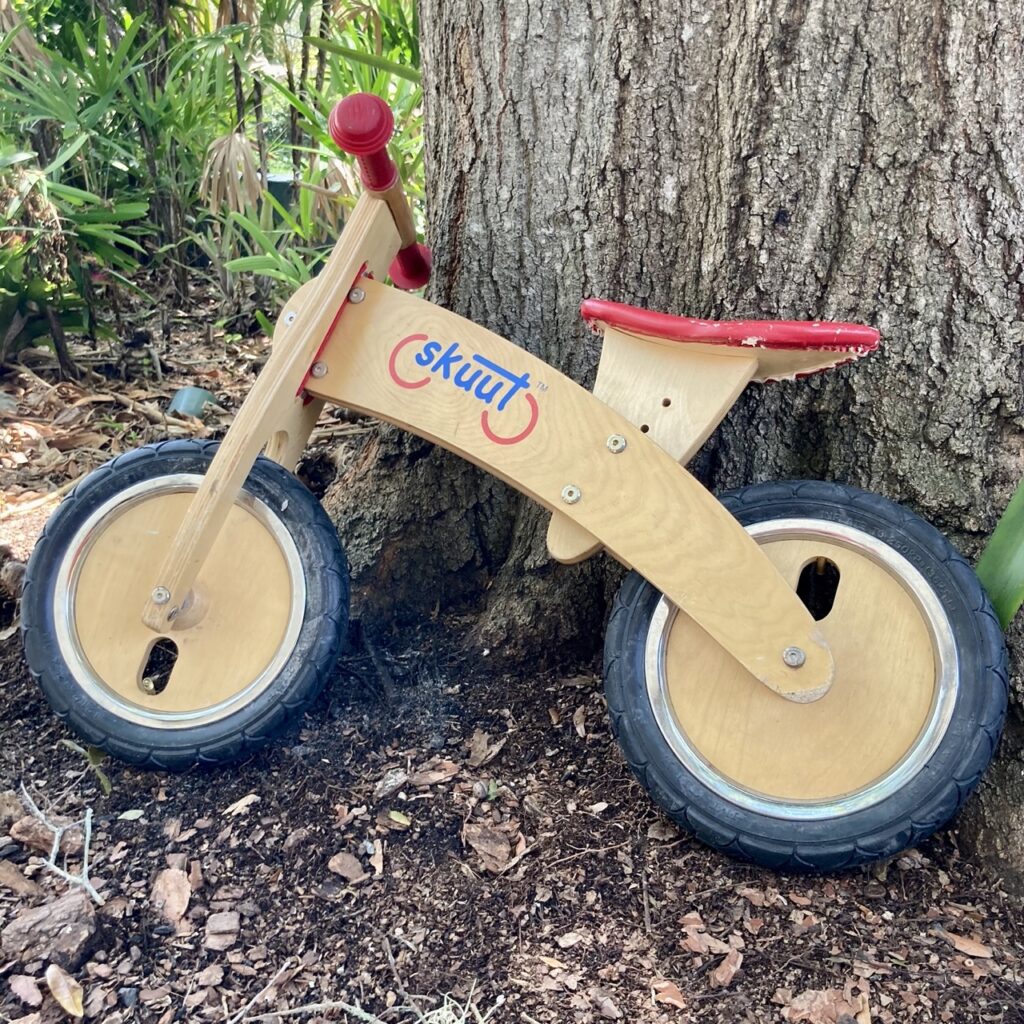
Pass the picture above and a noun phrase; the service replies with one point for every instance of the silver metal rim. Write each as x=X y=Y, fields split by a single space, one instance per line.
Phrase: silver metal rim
x=929 y=738
x=66 y=589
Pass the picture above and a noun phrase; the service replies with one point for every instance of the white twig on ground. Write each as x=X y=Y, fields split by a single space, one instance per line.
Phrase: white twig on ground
x=237 y=1017
x=82 y=878
x=450 y=1012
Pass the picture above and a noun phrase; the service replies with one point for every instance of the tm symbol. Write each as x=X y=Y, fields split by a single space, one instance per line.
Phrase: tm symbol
x=541 y=386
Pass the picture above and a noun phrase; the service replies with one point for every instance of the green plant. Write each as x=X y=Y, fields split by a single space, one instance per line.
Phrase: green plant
x=1001 y=566
x=94 y=760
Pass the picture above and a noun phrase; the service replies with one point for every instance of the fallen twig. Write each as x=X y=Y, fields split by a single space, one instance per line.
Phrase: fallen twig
x=82 y=878
x=236 y=1018
x=517 y=858
x=15 y=508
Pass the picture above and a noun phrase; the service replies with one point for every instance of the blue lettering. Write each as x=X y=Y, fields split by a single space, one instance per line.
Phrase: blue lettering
x=481 y=389
x=428 y=353
x=447 y=361
x=464 y=380
x=516 y=383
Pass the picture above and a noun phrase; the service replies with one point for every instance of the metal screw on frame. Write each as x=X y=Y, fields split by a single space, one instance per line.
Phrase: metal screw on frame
x=356 y=295
x=794 y=657
x=616 y=443
x=290 y=318
x=160 y=595
x=318 y=370
x=571 y=494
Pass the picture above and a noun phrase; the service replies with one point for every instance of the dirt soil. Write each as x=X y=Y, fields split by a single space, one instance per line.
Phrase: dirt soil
x=440 y=831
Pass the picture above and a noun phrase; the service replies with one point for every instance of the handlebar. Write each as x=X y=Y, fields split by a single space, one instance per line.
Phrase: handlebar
x=362 y=125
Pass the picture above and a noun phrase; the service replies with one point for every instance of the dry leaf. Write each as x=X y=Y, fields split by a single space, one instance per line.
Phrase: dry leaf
x=491 y=844
x=170 y=894
x=696 y=940
x=724 y=973
x=553 y=963
x=668 y=992
x=392 y=782
x=481 y=750
x=65 y=990
x=569 y=939
x=969 y=947
x=753 y=896
x=240 y=806
x=663 y=830
x=826 y=1006
x=26 y=989
x=377 y=860
x=606 y=1007
x=579 y=720
x=433 y=772
x=350 y=868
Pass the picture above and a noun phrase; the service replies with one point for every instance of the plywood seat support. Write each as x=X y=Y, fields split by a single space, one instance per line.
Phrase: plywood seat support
x=676 y=377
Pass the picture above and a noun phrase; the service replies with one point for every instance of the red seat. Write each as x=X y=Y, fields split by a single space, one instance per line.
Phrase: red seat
x=824 y=336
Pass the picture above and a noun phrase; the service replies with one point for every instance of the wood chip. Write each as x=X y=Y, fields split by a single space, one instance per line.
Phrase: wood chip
x=969 y=947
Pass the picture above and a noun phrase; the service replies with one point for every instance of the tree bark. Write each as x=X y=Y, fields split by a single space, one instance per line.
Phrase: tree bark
x=803 y=159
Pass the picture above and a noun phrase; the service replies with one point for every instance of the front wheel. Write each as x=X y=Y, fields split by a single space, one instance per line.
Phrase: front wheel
x=886 y=757
x=252 y=650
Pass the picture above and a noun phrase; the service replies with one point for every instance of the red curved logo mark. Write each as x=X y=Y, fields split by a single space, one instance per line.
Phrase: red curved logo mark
x=492 y=436
x=479 y=377
x=401 y=382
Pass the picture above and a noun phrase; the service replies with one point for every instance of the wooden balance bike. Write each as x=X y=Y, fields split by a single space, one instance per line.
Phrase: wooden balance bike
x=802 y=674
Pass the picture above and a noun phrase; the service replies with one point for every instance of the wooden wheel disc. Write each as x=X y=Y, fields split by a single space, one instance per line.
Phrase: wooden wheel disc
x=887 y=709
x=250 y=598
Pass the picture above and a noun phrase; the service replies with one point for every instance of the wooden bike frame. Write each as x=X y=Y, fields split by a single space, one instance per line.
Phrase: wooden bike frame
x=346 y=338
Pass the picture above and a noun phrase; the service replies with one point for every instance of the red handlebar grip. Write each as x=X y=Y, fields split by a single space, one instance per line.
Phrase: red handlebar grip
x=410 y=269
x=361 y=125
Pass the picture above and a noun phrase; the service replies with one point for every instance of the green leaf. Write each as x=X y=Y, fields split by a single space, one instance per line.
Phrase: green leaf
x=1001 y=566
x=370 y=60
x=66 y=154
x=10 y=159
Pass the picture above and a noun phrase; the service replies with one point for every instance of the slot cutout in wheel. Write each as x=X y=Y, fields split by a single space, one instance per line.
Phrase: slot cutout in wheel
x=159 y=665
x=817 y=586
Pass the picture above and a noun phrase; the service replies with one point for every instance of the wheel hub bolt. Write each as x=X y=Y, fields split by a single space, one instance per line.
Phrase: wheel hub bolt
x=794 y=657
x=160 y=595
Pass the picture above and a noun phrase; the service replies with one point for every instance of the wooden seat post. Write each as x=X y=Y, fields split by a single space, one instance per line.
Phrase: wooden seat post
x=675 y=394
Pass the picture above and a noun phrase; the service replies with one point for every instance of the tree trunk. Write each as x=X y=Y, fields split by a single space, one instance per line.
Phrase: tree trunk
x=810 y=159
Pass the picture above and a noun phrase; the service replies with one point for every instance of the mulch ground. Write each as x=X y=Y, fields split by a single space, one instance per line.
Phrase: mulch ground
x=442 y=838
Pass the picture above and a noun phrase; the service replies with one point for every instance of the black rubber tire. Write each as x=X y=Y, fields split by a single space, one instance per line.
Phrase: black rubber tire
x=904 y=818
x=251 y=726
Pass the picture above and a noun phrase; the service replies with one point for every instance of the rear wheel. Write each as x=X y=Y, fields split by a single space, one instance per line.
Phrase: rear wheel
x=253 y=648
x=883 y=759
